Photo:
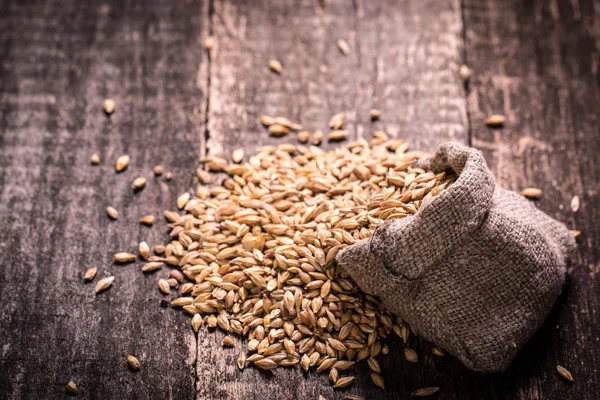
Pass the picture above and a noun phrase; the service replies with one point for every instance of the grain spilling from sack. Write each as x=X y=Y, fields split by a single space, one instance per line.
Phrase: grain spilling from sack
x=259 y=251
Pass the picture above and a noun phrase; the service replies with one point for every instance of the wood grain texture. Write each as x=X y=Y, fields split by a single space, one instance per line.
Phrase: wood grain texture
x=59 y=61
x=537 y=63
x=406 y=69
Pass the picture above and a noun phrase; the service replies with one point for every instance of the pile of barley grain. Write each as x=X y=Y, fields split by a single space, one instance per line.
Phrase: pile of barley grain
x=259 y=251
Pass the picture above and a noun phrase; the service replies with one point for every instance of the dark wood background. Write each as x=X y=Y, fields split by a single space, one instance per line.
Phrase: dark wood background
x=537 y=62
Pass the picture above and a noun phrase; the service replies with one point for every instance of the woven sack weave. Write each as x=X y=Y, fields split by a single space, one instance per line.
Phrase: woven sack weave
x=476 y=270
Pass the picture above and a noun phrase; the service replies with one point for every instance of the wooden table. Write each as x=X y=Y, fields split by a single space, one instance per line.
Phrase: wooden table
x=537 y=62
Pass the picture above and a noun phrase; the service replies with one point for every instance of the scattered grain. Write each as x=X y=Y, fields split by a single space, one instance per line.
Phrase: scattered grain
x=532 y=193
x=237 y=156
x=437 y=352
x=563 y=372
x=374 y=114
x=425 y=391
x=122 y=163
x=147 y=220
x=139 y=183
x=495 y=120
x=343 y=46
x=275 y=66
x=278 y=130
x=104 y=284
x=575 y=204
x=303 y=136
x=112 y=212
x=124 y=257
x=465 y=72
x=208 y=43
x=90 y=274
x=266 y=120
x=241 y=361
x=336 y=122
x=134 y=363
x=317 y=137
x=95 y=159
x=71 y=388
x=378 y=380
x=158 y=170
x=338 y=135
x=144 y=250
x=109 y=106
x=410 y=355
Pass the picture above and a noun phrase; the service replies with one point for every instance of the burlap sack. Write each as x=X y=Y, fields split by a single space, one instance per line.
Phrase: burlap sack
x=476 y=270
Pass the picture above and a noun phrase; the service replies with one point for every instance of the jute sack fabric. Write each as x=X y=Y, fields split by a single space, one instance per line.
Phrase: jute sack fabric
x=476 y=270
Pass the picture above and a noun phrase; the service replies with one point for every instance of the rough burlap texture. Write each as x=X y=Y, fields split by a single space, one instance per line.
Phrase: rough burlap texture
x=476 y=270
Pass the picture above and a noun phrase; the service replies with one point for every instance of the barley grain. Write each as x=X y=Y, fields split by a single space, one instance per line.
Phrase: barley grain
x=343 y=46
x=338 y=135
x=95 y=159
x=90 y=274
x=495 y=120
x=343 y=382
x=109 y=106
x=563 y=372
x=147 y=220
x=275 y=66
x=333 y=375
x=378 y=380
x=531 y=193
x=134 y=363
x=575 y=204
x=237 y=156
x=112 y=212
x=437 y=352
x=209 y=43
x=241 y=361
x=317 y=137
x=410 y=355
x=122 y=163
x=71 y=388
x=196 y=322
x=164 y=286
x=183 y=199
x=104 y=284
x=465 y=72
x=124 y=257
x=425 y=391
x=336 y=122
x=139 y=183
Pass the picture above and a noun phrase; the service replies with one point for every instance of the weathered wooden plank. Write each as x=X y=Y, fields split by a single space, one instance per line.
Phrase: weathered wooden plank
x=317 y=81
x=537 y=63
x=59 y=61
x=397 y=64
x=410 y=54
